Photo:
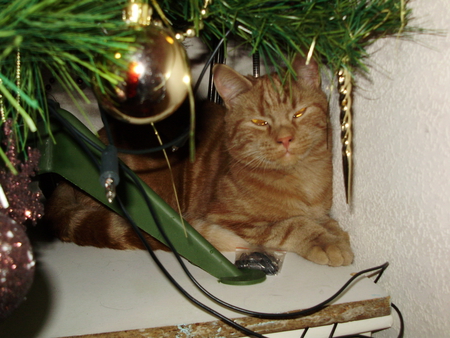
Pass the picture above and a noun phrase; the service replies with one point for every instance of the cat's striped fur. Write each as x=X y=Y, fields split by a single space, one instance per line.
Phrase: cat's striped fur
x=262 y=175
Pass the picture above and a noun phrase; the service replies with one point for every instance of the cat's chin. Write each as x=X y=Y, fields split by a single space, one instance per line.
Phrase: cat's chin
x=285 y=162
x=287 y=159
x=288 y=165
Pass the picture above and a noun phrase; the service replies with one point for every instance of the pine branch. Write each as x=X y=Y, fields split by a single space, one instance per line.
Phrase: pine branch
x=79 y=36
x=341 y=30
x=62 y=36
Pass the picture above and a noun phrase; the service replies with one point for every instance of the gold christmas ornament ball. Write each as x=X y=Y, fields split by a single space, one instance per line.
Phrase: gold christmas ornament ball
x=155 y=79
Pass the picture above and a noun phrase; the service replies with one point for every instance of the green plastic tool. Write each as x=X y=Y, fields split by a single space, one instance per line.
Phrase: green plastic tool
x=67 y=158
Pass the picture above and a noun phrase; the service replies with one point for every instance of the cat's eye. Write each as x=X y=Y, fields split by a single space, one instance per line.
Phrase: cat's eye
x=259 y=122
x=300 y=112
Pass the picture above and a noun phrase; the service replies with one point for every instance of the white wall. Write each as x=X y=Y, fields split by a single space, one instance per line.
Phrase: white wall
x=401 y=206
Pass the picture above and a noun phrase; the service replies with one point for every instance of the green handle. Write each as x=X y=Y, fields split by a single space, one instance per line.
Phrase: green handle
x=67 y=158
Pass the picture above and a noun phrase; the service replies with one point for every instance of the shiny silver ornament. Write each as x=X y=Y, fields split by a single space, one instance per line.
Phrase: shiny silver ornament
x=155 y=79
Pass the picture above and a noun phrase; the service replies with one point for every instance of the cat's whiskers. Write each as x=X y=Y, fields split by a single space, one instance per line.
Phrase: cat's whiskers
x=244 y=165
x=255 y=155
x=234 y=146
x=257 y=163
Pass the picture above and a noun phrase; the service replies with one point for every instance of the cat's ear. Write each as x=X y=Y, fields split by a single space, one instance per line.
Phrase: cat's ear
x=308 y=73
x=229 y=83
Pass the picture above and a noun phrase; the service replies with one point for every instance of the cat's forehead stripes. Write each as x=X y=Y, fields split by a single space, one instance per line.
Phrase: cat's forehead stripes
x=272 y=95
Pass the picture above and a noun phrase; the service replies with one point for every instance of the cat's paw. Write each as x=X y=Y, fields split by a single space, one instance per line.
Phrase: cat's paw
x=336 y=254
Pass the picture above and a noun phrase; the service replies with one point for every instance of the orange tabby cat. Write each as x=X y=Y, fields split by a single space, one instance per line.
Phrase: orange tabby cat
x=262 y=175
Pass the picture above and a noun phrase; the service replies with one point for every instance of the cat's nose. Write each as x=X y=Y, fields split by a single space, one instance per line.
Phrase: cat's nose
x=285 y=141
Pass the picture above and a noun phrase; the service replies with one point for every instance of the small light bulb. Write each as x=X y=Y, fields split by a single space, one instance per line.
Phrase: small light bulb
x=138 y=69
x=135 y=9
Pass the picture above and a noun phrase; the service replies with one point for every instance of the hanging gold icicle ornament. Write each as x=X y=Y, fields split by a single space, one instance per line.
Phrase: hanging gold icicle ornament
x=18 y=76
x=2 y=107
x=345 y=99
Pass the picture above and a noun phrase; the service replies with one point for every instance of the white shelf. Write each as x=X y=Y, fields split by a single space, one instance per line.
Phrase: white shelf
x=85 y=290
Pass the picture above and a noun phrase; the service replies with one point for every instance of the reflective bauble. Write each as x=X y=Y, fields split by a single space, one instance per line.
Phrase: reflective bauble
x=16 y=265
x=155 y=79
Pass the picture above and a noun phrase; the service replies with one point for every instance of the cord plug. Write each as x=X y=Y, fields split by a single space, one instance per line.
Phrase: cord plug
x=109 y=177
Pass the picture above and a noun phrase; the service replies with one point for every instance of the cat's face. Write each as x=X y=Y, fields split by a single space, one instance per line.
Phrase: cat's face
x=271 y=127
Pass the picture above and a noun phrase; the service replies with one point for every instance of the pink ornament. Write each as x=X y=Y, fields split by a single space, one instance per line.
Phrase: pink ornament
x=24 y=200
x=17 y=265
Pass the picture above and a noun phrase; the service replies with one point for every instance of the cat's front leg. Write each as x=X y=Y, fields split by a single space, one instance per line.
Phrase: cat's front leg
x=222 y=238
x=322 y=242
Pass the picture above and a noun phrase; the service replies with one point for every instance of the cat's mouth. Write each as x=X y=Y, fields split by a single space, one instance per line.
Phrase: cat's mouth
x=289 y=156
x=286 y=152
x=285 y=158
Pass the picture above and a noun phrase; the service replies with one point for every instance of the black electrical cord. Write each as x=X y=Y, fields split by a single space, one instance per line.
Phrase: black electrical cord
x=333 y=330
x=80 y=138
x=397 y=310
x=175 y=283
x=289 y=315
x=52 y=107
x=402 y=324
x=305 y=331
x=400 y=317
x=252 y=313
x=208 y=62
x=400 y=335
x=206 y=292
x=177 y=141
